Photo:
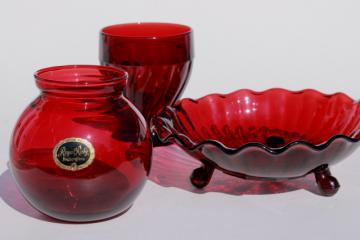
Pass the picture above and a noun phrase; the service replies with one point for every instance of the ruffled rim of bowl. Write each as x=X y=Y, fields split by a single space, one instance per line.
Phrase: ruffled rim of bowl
x=253 y=92
x=192 y=146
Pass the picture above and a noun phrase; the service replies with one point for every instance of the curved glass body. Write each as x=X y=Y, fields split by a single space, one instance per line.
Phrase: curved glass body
x=81 y=151
x=157 y=57
x=271 y=135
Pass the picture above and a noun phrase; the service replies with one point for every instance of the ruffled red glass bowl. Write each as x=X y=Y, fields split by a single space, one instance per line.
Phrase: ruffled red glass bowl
x=272 y=135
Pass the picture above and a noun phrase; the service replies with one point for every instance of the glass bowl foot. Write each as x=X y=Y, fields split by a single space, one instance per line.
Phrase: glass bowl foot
x=327 y=184
x=156 y=141
x=201 y=176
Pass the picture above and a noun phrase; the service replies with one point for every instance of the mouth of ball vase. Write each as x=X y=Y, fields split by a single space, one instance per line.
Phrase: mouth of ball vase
x=81 y=80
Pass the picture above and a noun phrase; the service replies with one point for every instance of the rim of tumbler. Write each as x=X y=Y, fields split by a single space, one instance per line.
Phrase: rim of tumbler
x=183 y=30
x=78 y=79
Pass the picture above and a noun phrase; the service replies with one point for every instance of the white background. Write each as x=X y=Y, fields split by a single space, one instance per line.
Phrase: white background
x=254 y=44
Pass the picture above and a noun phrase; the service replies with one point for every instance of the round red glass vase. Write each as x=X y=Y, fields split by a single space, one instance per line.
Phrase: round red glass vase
x=81 y=151
x=158 y=58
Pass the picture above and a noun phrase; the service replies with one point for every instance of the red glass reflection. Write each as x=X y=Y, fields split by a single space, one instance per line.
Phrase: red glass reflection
x=271 y=135
x=157 y=57
x=171 y=167
x=86 y=103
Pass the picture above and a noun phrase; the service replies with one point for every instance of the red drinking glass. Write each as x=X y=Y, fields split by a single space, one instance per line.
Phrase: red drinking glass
x=81 y=151
x=157 y=57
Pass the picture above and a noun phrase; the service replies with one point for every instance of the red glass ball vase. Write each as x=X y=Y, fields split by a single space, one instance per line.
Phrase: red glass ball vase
x=81 y=151
x=158 y=58
x=273 y=135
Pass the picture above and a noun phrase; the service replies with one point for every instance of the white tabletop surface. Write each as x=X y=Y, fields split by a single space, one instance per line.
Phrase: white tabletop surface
x=239 y=44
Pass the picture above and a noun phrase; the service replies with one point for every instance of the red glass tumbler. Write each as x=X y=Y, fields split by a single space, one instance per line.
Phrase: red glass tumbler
x=81 y=151
x=157 y=57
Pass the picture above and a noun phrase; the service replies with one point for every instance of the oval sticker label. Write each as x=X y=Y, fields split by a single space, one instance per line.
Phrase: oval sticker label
x=74 y=154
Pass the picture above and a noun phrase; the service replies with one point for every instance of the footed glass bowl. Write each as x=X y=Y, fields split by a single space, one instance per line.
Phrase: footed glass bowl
x=272 y=135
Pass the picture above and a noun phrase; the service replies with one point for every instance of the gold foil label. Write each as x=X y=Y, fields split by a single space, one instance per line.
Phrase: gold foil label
x=74 y=154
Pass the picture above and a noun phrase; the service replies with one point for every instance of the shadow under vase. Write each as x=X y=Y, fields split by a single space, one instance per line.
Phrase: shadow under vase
x=11 y=195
